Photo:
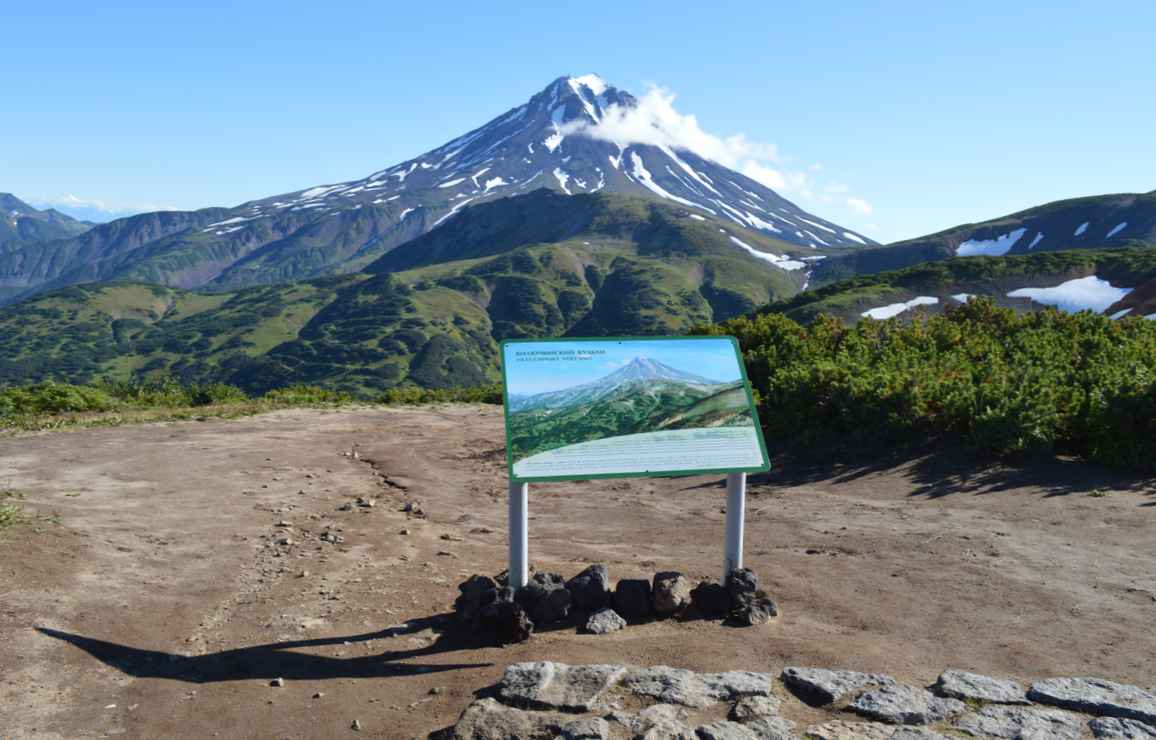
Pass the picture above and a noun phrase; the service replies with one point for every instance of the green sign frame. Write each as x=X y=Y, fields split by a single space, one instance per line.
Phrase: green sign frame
x=762 y=466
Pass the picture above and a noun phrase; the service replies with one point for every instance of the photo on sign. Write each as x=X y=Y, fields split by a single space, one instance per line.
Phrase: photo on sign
x=590 y=408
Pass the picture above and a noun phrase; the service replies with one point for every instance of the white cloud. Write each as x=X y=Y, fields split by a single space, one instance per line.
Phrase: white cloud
x=656 y=122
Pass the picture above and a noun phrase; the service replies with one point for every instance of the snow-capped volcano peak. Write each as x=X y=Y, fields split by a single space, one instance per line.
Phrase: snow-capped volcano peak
x=554 y=140
x=646 y=369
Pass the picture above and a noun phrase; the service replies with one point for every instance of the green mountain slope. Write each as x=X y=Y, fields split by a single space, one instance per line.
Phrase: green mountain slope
x=949 y=282
x=1095 y=222
x=621 y=265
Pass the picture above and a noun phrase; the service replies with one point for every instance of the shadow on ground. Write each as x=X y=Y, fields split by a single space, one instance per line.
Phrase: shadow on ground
x=936 y=474
x=280 y=659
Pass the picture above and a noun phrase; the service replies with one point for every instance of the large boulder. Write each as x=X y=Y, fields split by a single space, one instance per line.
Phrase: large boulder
x=754 y=707
x=670 y=593
x=1114 y=728
x=656 y=722
x=603 y=621
x=545 y=598
x=548 y=685
x=839 y=729
x=906 y=705
x=632 y=599
x=976 y=687
x=711 y=599
x=1014 y=723
x=587 y=728
x=819 y=686
x=689 y=689
x=1096 y=696
x=505 y=622
x=590 y=589
x=487 y=719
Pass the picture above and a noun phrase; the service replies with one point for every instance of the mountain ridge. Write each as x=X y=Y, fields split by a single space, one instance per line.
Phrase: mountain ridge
x=343 y=227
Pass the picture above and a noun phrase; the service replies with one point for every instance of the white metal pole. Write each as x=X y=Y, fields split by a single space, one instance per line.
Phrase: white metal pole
x=519 y=535
x=736 y=518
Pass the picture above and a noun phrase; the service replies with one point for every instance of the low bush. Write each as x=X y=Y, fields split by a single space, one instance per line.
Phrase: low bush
x=1000 y=382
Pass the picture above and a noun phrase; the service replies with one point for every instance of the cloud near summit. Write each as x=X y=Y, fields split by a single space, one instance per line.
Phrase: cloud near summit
x=656 y=122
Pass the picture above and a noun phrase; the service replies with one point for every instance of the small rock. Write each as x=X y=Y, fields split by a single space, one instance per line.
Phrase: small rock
x=632 y=598
x=356 y=724
x=751 y=608
x=964 y=685
x=345 y=507
x=505 y=622
x=590 y=589
x=548 y=685
x=545 y=598
x=403 y=532
x=277 y=682
x=711 y=599
x=1096 y=696
x=318 y=695
x=742 y=581
x=1014 y=723
x=906 y=705
x=436 y=690
x=753 y=707
x=1114 y=728
x=604 y=621
x=670 y=593
x=452 y=538
x=820 y=686
x=475 y=593
x=284 y=541
x=283 y=524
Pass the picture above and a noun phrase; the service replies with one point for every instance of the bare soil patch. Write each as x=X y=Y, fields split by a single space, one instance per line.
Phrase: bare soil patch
x=146 y=595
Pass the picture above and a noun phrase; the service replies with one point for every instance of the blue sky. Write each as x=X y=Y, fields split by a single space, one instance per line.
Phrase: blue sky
x=896 y=119
x=539 y=367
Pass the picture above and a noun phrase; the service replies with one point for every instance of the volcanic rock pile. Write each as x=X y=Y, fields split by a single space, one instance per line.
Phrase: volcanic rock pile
x=495 y=612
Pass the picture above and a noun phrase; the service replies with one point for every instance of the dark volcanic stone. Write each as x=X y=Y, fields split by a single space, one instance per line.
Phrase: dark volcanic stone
x=505 y=622
x=742 y=581
x=749 y=609
x=545 y=598
x=671 y=593
x=632 y=598
x=590 y=589
x=476 y=592
x=711 y=599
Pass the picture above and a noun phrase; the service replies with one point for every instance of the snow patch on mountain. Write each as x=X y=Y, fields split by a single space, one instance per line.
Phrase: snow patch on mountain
x=997 y=247
x=1117 y=229
x=1081 y=228
x=1082 y=294
x=894 y=309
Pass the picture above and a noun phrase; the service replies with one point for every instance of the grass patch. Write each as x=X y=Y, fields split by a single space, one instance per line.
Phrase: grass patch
x=10 y=513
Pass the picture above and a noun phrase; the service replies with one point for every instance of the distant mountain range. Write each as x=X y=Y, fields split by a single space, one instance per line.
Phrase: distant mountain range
x=21 y=224
x=1079 y=223
x=341 y=228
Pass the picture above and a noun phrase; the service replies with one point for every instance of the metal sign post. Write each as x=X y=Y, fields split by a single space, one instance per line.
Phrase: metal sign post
x=519 y=571
x=736 y=519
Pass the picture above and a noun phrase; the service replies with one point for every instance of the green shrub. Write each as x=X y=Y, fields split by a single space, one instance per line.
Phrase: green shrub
x=52 y=398
x=1000 y=382
x=414 y=395
x=305 y=395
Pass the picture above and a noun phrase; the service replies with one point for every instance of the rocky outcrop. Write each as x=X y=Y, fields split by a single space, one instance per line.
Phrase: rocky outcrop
x=976 y=687
x=906 y=705
x=604 y=621
x=1096 y=696
x=555 y=701
x=819 y=686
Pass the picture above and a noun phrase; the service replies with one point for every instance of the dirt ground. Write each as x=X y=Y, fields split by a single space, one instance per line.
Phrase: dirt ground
x=146 y=596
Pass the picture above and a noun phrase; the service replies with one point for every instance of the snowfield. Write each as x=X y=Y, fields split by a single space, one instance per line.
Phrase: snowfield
x=997 y=247
x=1082 y=294
x=894 y=309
